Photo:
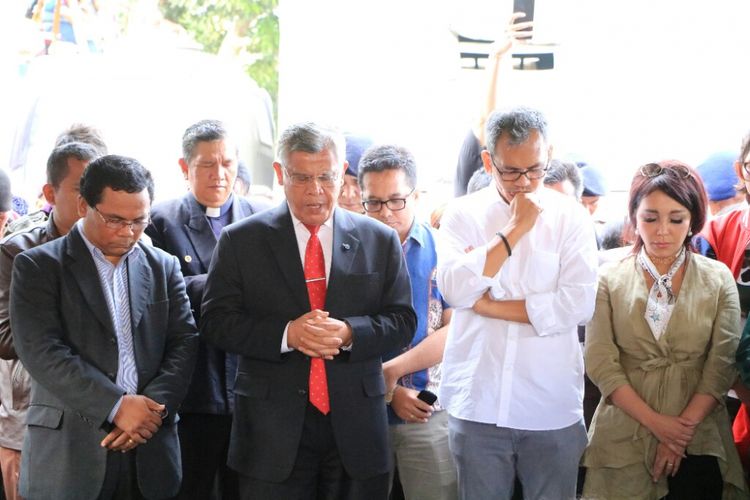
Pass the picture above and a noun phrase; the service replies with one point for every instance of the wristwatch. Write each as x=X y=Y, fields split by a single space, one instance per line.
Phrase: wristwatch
x=389 y=395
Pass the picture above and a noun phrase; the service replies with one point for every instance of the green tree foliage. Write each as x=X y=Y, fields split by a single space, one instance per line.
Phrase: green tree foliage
x=247 y=28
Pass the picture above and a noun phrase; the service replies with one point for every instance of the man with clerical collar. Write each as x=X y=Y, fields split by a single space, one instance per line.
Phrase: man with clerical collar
x=189 y=227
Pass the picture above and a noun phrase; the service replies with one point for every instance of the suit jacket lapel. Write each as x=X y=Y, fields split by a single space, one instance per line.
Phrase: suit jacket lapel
x=139 y=287
x=283 y=242
x=345 y=247
x=85 y=273
x=199 y=232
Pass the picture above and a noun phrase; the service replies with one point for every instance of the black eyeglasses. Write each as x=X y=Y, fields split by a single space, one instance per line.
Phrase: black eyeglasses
x=118 y=224
x=531 y=174
x=655 y=170
x=393 y=204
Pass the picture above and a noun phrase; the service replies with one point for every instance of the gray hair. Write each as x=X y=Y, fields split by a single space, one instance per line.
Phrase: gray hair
x=516 y=123
x=309 y=137
x=202 y=131
x=561 y=171
x=388 y=157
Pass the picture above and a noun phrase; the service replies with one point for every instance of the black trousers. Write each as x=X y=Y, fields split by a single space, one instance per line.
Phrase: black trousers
x=318 y=473
x=120 y=480
x=699 y=478
x=204 y=443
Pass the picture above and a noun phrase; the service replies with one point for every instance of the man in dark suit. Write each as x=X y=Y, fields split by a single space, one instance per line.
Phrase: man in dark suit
x=310 y=296
x=103 y=325
x=188 y=228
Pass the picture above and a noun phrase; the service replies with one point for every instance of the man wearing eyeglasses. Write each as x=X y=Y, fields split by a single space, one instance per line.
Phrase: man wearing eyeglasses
x=103 y=325
x=418 y=430
x=188 y=227
x=311 y=296
x=517 y=261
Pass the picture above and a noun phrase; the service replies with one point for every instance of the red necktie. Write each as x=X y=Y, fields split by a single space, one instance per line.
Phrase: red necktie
x=315 y=277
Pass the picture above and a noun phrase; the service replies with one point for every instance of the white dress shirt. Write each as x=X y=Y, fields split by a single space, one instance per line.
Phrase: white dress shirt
x=517 y=375
x=325 y=235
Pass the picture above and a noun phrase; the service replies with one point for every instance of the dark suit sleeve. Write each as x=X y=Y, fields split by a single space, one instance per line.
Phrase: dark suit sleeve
x=394 y=325
x=40 y=341
x=170 y=385
x=224 y=320
x=7 y=351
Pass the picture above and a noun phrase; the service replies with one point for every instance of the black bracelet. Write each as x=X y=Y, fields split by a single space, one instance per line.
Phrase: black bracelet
x=505 y=240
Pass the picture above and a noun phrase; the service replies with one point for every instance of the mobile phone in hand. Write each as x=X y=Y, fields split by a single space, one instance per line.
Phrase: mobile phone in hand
x=527 y=7
x=427 y=396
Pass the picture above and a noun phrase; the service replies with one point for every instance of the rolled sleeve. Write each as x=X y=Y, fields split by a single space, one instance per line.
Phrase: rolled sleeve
x=719 y=371
x=460 y=275
x=572 y=302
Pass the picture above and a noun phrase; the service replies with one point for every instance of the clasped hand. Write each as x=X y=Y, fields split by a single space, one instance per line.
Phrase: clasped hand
x=136 y=421
x=318 y=335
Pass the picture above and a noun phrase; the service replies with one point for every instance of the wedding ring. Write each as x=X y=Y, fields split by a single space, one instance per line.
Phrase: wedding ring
x=130 y=441
x=670 y=464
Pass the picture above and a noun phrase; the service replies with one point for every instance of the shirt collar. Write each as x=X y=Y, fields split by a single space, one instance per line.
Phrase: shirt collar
x=416 y=233
x=222 y=210
x=96 y=252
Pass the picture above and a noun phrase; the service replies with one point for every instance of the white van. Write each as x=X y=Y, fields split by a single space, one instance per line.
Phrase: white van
x=142 y=104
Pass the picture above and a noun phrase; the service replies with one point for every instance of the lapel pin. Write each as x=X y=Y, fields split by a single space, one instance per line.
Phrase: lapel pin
x=188 y=259
x=345 y=246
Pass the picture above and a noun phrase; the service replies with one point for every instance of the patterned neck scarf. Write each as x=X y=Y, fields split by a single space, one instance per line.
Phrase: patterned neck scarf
x=661 y=299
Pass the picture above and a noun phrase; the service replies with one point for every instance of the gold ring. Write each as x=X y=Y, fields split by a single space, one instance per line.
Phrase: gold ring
x=670 y=464
x=130 y=441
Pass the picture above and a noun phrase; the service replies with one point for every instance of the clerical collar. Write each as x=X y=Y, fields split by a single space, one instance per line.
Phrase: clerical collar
x=218 y=211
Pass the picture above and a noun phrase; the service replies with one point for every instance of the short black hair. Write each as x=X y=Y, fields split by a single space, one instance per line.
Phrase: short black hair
x=388 y=157
x=118 y=173
x=57 y=163
x=202 y=131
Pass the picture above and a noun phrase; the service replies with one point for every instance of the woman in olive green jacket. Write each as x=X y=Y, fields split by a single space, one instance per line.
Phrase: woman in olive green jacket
x=661 y=349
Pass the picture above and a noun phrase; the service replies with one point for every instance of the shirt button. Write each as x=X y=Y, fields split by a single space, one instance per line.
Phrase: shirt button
x=112 y=340
x=301 y=392
x=111 y=375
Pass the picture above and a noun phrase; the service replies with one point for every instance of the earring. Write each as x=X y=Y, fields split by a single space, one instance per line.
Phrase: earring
x=690 y=234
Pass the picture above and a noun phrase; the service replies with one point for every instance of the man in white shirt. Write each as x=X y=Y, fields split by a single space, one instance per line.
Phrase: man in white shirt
x=518 y=263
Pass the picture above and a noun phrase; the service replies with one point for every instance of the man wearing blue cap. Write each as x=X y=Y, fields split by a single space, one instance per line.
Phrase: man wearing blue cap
x=351 y=195
x=594 y=187
x=720 y=179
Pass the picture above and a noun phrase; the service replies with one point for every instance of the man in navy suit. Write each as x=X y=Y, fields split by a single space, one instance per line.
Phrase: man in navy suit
x=311 y=296
x=188 y=228
x=103 y=325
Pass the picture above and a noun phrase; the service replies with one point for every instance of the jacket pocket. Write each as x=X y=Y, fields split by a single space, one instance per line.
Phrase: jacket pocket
x=44 y=416
x=374 y=385
x=251 y=387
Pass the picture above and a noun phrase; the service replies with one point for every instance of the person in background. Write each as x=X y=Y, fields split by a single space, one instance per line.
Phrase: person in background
x=103 y=325
x=188 y=228
x=418 y=430
x=661 y=348
x=77 y=132
x=518 y=264
x=470 y=154
x=243 y=181
x=727 y=238
x=6 y=202
x=565 y=178
x=594 y=188
x=311 y=297
x=351 y=194
x=720 y=178
x=64 y=168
